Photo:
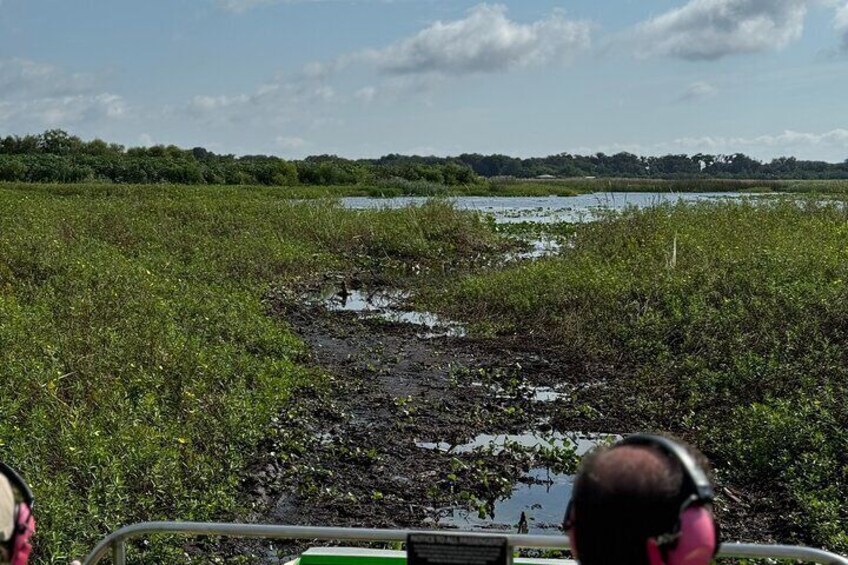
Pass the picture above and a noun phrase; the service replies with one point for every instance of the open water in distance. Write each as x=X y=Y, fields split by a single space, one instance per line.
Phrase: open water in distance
x=547 y=209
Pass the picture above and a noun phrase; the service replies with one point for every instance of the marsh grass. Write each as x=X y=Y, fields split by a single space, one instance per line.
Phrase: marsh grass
x=391 y=188
x=139 y=365
x=573 y=186
x=726 y=322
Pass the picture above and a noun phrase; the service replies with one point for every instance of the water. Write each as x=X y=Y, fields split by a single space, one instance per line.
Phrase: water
x=543 y=503
x=541 y=496
x=542 y=247
x=581 y=443
x=532 y=393
x=546 y=209
x=546 y=394
x=384 y=304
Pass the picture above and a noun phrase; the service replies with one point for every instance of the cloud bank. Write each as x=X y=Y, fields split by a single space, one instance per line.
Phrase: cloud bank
x=34 y=94
x=486 y=40
x=712 y=29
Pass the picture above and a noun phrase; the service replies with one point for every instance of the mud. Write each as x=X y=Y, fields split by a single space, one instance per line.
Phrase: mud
x=390 y=436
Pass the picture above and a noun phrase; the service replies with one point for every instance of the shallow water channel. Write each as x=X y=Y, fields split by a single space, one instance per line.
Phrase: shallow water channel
x=541 y=494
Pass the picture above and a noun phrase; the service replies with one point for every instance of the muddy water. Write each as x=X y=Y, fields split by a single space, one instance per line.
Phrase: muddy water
x=540 y=494
x=541 y=499
x=547 y=209
x=388 y=305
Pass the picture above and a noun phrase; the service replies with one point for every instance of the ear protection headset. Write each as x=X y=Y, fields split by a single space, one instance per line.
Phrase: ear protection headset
x=693 y=540
x=20 y=545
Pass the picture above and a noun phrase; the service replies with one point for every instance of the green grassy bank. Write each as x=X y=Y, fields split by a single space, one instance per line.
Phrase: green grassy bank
x=139 y=367
x=726 y=323
x=506 y=187
x=565 y=187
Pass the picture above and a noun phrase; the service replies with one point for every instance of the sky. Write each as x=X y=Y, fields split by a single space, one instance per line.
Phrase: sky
x=364 y=78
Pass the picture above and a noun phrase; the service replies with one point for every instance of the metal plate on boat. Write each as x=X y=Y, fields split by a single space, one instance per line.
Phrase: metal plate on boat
x=457 y=549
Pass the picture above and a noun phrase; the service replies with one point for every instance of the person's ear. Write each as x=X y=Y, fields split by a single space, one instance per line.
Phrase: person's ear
x=654 y=553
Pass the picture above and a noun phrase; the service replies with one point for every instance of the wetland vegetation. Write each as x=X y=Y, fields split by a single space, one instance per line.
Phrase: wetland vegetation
x=722 y=322
x=139 y=361
x=165 y=357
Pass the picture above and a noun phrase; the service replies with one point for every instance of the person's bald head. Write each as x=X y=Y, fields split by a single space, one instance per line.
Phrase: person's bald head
x=631 y=470
x=622 y=497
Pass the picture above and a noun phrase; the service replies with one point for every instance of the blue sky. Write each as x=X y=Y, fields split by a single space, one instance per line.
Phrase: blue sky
x=364 y=78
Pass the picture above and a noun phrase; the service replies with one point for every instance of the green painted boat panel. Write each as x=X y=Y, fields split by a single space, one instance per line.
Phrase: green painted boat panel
x=351 y=556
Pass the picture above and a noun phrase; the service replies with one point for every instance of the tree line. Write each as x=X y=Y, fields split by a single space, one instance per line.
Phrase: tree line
x=56 y=156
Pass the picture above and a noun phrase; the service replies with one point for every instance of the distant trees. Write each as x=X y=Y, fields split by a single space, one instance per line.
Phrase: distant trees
x=330 y=170
x=628 y=165
x=56 y=156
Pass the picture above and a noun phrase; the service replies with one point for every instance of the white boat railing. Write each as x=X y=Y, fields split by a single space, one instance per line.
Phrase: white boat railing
x=115 y=544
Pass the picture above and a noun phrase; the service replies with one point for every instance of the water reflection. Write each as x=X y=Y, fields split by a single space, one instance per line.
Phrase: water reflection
x=541 y=495
x=385 y=304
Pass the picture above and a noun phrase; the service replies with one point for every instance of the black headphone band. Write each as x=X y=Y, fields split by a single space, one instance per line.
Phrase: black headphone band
x=693 y=474
x=18 y=482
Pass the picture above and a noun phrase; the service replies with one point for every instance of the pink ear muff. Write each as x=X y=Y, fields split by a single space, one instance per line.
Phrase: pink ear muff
x=24 y=529
x=697 y=542
x=654 y=553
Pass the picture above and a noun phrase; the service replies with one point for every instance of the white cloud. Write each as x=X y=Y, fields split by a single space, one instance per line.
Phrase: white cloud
x=113 y=105
x=290 y=143
x=201 y=104
x=69 y=110
x=32 y=79
x=239 y=6
x=484 y=41
x=830 y=145
x=712 y=29
x=325 y=93
x=698 y=91
x=841 y=24
x=38 y=95
x=272 y=104
x=789 y=138
x=366 y=94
